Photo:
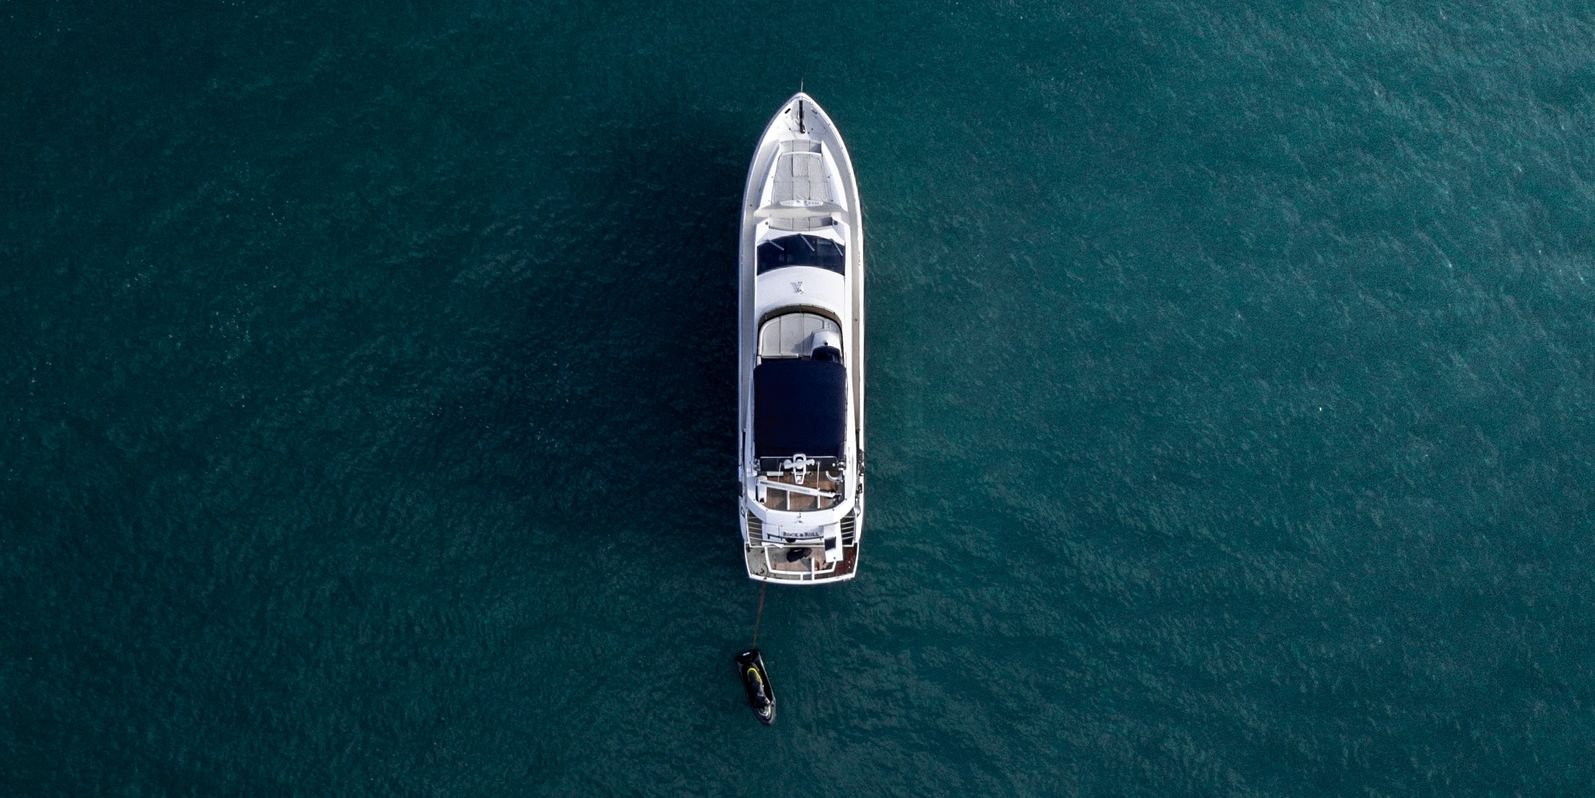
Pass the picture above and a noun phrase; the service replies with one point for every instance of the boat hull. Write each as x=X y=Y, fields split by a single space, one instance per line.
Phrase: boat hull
x=801 y=192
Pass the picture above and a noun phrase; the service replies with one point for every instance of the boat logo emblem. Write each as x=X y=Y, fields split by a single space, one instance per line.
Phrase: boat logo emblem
x=797 y=287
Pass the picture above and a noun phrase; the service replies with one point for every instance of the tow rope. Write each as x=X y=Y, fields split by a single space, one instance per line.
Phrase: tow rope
x=758 y=617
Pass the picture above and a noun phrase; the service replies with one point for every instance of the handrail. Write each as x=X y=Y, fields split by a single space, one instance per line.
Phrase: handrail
x=770 y=571
x=800 y=489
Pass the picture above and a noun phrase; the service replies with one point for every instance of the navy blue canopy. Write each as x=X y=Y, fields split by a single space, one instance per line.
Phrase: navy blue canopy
x=799 y=407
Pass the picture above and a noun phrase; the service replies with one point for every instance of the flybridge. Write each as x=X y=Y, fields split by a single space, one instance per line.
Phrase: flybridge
x=800 y=484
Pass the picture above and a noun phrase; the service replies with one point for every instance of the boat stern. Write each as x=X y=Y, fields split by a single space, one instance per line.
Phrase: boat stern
x=829 y=556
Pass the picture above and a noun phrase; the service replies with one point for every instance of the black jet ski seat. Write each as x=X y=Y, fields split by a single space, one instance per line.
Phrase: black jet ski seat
x=756 y=683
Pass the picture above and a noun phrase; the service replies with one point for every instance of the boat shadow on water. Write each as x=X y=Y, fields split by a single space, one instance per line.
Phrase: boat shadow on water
x=606 y=412
x=595 y=411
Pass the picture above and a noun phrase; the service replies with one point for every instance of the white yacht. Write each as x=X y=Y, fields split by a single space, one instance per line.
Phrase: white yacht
x=801 y=354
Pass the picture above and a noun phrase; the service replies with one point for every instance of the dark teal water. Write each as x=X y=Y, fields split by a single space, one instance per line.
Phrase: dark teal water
x=368 y=400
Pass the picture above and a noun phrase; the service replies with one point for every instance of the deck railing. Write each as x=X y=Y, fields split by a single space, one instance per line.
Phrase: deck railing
x=759 y=547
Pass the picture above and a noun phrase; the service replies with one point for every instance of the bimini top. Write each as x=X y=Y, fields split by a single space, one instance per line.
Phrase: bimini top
x=799 y=407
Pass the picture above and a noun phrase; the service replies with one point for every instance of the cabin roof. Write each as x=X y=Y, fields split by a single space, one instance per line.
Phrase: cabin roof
x=799 y=407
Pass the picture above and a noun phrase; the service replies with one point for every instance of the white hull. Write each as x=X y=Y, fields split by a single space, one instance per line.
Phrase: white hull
x=801 y=354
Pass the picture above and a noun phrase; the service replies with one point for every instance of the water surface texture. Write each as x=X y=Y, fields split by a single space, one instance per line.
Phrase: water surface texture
x=368 y=400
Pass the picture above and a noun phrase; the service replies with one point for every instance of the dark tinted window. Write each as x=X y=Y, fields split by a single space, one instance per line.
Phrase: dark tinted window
x=801 y=250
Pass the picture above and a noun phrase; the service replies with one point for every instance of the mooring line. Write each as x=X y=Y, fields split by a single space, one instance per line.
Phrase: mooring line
x=759 y=616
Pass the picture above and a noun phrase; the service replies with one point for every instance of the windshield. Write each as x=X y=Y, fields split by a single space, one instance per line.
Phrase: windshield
x=801 y=250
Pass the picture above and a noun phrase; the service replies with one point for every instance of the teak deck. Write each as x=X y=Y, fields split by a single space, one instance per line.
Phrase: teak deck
x=777 y=499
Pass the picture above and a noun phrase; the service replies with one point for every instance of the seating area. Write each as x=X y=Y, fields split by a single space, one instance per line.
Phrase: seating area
x=788 y=335
x=809 y=487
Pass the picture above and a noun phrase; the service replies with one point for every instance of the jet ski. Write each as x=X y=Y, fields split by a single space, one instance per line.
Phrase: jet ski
x=756 y=681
